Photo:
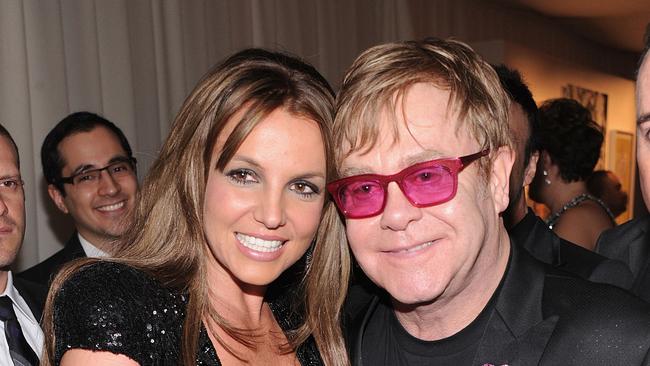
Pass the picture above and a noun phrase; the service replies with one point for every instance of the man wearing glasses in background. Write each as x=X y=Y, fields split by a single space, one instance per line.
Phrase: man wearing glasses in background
x=425 y=157
x=90 y=170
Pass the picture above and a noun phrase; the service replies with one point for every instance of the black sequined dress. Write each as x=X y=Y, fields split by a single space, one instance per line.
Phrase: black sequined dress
x=116 y=308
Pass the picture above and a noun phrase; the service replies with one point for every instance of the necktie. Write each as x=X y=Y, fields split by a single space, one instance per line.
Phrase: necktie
x=21 y=353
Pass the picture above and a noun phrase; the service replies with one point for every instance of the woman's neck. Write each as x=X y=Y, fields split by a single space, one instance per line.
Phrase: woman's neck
x=243 y=307
x=565 y=192
x=241 y=304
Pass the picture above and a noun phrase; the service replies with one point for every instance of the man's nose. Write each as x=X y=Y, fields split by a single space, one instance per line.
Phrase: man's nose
x=398 y=211
x=108 y=185
x=3 y=206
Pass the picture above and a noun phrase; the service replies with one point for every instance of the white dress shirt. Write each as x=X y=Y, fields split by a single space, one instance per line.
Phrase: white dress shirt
x=91 y=250
x=29 y=325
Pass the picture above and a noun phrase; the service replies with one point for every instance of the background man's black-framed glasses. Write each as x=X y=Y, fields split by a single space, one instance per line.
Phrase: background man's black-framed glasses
x=117 y=169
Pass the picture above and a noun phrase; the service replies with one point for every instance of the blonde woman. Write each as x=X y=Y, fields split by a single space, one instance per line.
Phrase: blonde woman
x=236 y=255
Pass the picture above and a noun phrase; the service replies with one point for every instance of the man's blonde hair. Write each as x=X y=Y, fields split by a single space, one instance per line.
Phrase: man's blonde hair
x=381 y=76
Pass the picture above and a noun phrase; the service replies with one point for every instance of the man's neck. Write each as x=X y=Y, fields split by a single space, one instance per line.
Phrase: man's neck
x=516 y=212
x=4 y=277
x=104 y=245
x=451 y=313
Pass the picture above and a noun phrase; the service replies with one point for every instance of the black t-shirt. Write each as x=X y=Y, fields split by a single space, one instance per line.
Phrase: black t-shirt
x=386 y=342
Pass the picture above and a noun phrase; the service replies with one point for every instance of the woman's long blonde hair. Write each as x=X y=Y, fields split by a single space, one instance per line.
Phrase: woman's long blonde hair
x=166 y=239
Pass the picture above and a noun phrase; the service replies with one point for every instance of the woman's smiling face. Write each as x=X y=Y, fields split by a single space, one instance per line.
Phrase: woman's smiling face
x=262 y=211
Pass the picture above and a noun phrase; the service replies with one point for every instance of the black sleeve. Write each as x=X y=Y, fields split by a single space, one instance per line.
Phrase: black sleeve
x=115 y=308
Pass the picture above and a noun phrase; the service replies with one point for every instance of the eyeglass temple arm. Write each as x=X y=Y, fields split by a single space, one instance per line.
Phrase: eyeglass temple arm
x=465 y=160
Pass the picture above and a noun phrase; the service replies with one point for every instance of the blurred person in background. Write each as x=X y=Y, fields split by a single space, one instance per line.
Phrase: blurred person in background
x=570 y=143
x=91 y=175
x=606 y=186
x=525 y=228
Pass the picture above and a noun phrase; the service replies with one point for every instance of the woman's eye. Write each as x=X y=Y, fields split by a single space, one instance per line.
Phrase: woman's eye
x=242 y=176
x=305 y=189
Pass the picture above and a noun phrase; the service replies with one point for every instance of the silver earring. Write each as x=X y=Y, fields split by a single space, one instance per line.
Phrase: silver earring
x=546 y=180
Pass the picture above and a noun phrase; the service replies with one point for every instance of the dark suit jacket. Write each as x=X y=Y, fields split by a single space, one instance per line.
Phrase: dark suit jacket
x=44 y=272
x=34 y=295
x=543 y=316
x=542 y=243
x=630 y=243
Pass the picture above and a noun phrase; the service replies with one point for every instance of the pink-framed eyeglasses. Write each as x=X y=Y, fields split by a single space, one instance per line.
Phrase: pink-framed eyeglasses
x=424 y=184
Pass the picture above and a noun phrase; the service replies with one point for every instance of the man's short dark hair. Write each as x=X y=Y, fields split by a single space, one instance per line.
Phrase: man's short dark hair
x=519 y=93
x=74 y=123
x=5 y=133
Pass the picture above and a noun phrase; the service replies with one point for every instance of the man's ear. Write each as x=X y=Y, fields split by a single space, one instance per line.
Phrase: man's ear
x=57 y=197
x=531 y=168
x=500 y=177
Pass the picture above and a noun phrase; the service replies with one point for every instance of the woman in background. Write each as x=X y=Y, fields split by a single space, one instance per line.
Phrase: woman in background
x=570 y=143
x=214 y=269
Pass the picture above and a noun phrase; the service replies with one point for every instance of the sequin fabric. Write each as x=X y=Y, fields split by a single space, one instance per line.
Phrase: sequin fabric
x=116 y=308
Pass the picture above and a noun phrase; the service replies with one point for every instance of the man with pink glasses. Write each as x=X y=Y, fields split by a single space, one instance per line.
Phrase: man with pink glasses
x=425 y=160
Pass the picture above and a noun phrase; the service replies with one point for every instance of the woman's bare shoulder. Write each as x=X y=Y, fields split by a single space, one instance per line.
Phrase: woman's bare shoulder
x=583 y=224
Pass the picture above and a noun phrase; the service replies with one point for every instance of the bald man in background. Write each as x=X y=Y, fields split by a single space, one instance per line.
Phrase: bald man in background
x=21 y=301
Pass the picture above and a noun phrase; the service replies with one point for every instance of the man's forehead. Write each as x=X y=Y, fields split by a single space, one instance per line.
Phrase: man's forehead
x=425 y=109
x=406 y=147
x=417 y=125
x=367 y=162
x=83 y=149
x=8 y=158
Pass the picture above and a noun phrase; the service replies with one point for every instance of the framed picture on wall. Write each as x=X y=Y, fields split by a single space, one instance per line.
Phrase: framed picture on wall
x=621 y=162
